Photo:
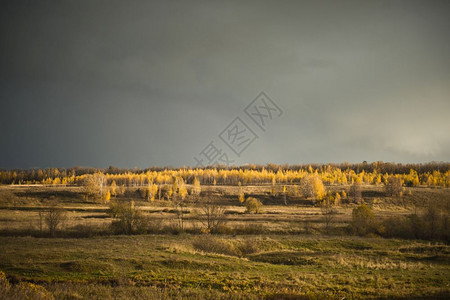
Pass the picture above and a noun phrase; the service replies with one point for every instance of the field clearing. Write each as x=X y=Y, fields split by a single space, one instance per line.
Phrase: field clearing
x=283 y=252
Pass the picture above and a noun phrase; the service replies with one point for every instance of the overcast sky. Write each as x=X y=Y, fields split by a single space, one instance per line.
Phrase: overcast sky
x=139 y=84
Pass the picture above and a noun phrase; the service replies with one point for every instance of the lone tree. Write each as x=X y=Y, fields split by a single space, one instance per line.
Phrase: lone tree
x=328 y=212
x=178 y=200
x=53 y=217
x=213 y=215
x=241 y=195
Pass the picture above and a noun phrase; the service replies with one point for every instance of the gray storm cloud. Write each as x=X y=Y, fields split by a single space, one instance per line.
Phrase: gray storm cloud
x=100 y=83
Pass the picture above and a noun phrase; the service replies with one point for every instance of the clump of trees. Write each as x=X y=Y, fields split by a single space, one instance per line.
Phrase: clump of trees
x=312 y=187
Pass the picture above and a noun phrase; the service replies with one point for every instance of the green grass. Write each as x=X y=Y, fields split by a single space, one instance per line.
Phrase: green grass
x=295 y=266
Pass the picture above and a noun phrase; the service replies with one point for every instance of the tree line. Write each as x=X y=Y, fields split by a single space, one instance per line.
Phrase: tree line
x=430 y=174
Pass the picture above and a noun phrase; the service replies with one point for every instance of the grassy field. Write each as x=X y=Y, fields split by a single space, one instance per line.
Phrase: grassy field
x=280 y=253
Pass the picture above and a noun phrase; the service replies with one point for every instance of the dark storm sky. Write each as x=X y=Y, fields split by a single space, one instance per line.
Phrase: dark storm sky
x=140 y=83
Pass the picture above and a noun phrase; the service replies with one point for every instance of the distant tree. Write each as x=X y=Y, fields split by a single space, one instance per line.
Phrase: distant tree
x=355 y=193
x=196 y=187
x=113 y=188
x=295 y=191
x=168 y=192
x=241 y=195
x=312 y=187
x=284 y=195
x=328 y=212
x=107 y=197
x=393 y=186
x=337 y=199
x=378 y=179
x=151 y=191
x=180 y=211
x=363 y=221
x=180 y=188
x=128 y=218
x=94 y=185
x=273 y=187
x=54 y=216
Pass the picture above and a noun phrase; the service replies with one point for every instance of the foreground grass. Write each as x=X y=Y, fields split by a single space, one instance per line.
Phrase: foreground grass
x=167 y=266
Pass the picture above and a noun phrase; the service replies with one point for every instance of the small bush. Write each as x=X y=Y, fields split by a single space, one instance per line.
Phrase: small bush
x=253 y=205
